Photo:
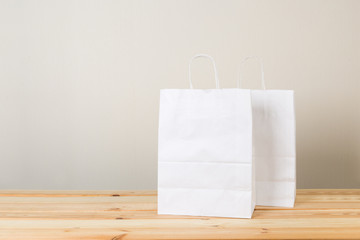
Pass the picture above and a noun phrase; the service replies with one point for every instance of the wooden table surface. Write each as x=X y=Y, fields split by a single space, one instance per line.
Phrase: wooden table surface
x=115 y=215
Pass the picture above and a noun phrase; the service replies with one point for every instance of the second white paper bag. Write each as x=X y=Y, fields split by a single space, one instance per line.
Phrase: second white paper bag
x=205 y=152
x=273 y=144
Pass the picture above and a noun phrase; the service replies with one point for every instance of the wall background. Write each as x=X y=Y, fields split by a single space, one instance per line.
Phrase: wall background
x=80 y=80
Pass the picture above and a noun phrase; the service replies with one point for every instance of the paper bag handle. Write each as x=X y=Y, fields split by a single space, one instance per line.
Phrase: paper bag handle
x=261 y=68
x=214 y=66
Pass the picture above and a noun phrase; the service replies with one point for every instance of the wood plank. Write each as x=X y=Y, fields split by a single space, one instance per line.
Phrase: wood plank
x=264 y=214
x=76 y=193
x=139 y=199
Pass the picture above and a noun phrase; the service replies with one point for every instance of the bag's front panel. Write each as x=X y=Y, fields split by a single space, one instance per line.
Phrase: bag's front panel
x=206 y=175
x=205 y=153
x=274 y=147
x=198 y=125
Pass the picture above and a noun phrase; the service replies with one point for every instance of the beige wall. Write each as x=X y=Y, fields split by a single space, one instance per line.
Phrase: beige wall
x=80 y=80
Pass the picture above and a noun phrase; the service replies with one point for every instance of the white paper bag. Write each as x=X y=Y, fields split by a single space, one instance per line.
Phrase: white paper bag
x=273 y=145
x=205 y=152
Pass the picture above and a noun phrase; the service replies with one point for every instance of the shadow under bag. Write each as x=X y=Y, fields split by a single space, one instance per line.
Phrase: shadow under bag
x=205 y=152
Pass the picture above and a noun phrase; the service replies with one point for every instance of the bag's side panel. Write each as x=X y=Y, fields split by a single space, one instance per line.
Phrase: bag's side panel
x=253 y=185
x=274 y=147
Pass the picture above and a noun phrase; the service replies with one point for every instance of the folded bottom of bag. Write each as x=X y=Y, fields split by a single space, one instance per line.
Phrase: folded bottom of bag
x=235 y=203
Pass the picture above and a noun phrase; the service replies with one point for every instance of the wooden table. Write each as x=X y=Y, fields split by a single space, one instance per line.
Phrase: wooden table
x=115 y=215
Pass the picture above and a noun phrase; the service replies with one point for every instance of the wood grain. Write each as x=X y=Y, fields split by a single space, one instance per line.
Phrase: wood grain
x=115 y=215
